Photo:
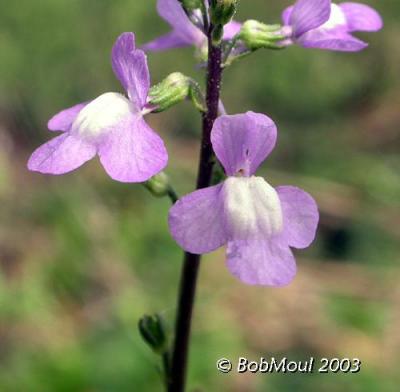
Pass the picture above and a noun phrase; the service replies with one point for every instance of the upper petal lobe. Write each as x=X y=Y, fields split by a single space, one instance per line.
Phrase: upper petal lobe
x=286 y=15
x=130 y=67
x=309 y=14
x=173 y=13
x=168 y=41
x=242 y=141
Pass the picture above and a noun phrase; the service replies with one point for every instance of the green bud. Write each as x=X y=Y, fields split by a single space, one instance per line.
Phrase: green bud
x=172 y=90
x=153 y=331
x=190 y=5
x=197 y=97
x=158 y=185
x=217 y=34
x=258 y=35
x=222 y=11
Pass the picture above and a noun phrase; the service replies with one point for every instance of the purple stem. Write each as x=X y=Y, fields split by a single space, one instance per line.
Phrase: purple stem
x=191 y=261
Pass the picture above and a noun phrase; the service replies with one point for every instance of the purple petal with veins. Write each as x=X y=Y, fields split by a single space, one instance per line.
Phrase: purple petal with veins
x=170 y=40
x=130 y=67
x=300 y=216
x=131 y=151
x=337 y=40
x=63 y=120
x=268 y=262
x=242 y=141
x=196 y=220
x=309 y=14
x=361 y=17
x=61 y=154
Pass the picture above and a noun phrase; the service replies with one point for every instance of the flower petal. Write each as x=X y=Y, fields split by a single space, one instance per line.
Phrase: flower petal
x=63 y=120
x=242 y=141
x=131 y=151
x=335 y=39
x=308 y=15
x=286 y=15
x=361 y=17
x=196 y=221
x=168 y=41
x=252 y=208
x=261 y=262
x=130 y=67
x=231 y=29
x=61 y=155
x=300 y=216
x=101 y=114
x=173 y=13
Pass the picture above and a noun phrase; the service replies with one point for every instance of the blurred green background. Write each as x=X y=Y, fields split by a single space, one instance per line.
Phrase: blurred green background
x=83 y=257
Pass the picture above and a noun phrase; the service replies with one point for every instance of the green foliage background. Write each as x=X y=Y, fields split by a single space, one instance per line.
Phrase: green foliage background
x=82 y=257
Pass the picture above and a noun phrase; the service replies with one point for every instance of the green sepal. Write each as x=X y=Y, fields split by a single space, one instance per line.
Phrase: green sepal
x=153 y=331
x=257 y=35
x=222 y=11
x=175 y=88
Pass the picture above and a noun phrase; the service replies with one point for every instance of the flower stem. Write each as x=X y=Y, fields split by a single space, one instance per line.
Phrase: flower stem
x=171 y=193
x=191 y=261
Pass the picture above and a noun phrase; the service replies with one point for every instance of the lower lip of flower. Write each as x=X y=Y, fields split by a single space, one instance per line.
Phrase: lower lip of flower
x=101 y=114
x=252 y=208
x=336 y=18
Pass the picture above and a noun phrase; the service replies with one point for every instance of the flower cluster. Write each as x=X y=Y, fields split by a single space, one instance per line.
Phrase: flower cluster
x=257 y=222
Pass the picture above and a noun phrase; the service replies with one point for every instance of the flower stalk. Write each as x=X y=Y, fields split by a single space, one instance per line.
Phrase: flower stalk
x=191 y=262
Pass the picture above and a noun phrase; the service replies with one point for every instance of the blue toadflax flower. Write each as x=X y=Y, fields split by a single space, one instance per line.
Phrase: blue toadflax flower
x=111 y=126
x=257 y=222
x=326 y=25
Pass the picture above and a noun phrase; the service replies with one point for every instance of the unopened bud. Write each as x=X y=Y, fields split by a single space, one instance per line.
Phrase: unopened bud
x=222 y=11
x=190 y=5
x=153 y=331
x=258 y=35
x=158 y=185
x=172 y=90
x=197 y=97
x=217 y=34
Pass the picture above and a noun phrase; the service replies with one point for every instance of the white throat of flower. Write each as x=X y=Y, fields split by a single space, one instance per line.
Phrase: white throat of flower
x=252 y=208
x=337 y=18
x=101 y=114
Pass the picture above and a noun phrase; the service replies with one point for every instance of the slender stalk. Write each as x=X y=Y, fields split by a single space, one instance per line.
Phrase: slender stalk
x=171 y=193
x=191 y=261
x=166 y=365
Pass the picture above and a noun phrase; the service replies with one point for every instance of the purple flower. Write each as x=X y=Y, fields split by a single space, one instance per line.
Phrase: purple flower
x=325 y=25
x=257 y=222
x=184 y=32
x=111 y=126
